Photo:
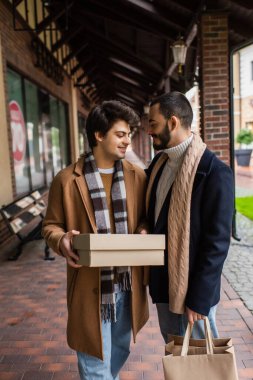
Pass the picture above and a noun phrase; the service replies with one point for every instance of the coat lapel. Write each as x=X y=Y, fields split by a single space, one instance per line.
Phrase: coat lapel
x=129 y=177
x=155 y=170
x=84 y=192
x=203 y=168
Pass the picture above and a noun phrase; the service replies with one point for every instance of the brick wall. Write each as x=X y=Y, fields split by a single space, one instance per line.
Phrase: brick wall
x=214 y=71
x=17 y=53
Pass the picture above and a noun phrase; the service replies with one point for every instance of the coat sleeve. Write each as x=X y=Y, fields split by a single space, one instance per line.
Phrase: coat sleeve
x=216 y=212
x=54 y=221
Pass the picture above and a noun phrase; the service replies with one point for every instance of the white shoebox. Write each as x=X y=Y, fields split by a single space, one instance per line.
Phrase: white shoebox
x=101 y=250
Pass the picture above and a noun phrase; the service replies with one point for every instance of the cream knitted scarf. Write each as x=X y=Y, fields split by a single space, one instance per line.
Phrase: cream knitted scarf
x=179 y=222
x=179 y=226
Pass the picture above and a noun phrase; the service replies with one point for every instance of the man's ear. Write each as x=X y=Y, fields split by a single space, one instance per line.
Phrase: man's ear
x=99 y=137
x=174 y=123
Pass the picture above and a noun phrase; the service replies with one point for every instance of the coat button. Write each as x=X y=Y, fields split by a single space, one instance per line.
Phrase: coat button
x=95 y=290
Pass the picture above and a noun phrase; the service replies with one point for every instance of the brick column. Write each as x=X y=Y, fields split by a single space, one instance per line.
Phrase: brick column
x=214 y=84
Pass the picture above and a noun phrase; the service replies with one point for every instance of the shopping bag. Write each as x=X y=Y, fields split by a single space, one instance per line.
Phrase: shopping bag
x=175 y=343
x=208 y=359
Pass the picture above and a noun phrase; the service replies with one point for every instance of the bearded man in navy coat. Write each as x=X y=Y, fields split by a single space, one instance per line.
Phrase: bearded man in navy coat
x=190 y=199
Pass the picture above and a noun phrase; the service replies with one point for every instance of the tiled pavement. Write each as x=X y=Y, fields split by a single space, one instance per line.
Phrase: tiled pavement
x=244 y=180
x=33 y=319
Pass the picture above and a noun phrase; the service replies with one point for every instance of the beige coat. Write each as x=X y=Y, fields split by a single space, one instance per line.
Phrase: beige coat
x=70 y=208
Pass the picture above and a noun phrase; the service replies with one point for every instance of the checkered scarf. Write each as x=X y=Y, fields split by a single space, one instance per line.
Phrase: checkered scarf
x=109 y=275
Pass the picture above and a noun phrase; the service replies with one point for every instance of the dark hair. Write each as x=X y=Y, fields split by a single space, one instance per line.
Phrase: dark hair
x=175 y=103
x=102 y=117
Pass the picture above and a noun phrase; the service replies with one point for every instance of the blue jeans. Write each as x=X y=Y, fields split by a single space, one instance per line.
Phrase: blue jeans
x=175 y=324
x=116 y=337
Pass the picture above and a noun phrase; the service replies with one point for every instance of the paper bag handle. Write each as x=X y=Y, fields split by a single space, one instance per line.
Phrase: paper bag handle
x=208 y=338
x=209 y=335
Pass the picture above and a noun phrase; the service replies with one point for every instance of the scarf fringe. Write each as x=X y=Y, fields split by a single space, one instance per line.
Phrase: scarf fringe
x=108 y=312
x=124 y=281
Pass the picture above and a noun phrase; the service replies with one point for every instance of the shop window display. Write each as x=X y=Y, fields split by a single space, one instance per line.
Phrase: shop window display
x=39 y=132
x=19 y=133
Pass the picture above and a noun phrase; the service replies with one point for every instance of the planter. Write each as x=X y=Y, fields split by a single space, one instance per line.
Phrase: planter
x=243 y=156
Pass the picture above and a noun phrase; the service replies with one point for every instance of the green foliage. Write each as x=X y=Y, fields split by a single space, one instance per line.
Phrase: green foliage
x=245 y=136
x=245 y=206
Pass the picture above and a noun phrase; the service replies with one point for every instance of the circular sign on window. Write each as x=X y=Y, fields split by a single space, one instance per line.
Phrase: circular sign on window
x=18 y=131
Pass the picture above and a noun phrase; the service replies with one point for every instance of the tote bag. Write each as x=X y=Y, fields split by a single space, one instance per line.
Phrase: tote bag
x=200 y=359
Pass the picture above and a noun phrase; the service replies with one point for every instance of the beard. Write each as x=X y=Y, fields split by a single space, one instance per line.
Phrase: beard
x=164 y=138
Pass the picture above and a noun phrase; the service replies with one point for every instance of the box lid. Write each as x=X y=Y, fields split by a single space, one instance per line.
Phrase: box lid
x=119 y=242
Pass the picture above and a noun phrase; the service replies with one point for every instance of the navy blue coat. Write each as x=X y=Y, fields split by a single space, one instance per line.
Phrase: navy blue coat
x=212 y=207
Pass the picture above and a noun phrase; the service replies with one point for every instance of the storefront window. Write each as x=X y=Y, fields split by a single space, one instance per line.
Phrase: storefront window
x=44 y=114
x=63 y=117
x=82 y=137
x=34 y=131
x=19 y=133
x=59 y=134
x=39 y=132
x=55 y=130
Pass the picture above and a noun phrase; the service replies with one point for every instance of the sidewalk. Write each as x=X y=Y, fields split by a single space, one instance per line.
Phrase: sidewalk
x=33 y=321
x=238 y=267
x=244 y=180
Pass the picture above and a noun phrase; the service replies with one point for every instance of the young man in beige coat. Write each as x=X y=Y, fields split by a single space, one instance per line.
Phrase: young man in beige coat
x=100 y=193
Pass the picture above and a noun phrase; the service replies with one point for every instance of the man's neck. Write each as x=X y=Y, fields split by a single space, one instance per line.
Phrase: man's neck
x=101 y=161
x=180 y=138
x=176 y=153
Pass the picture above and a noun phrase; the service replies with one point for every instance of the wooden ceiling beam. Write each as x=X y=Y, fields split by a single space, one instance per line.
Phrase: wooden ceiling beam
x=86 y=73
x=133 y=105
x=235 y=39
x=16 y=2
x=52 y=17
x=82 y=63
x=125 y=97
x=74 y=53
x=111 y=66
x=108 y=17
x=67 y=36
x=133 y=69
x=176 y=8
x=148 y=10
x=243 y=28
x=243 y=3
x=121 y=86
x=104 y=87
x=186 y=4
x=125 y=82
x=116 y=48
x=119 y=13
x=118 y=81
